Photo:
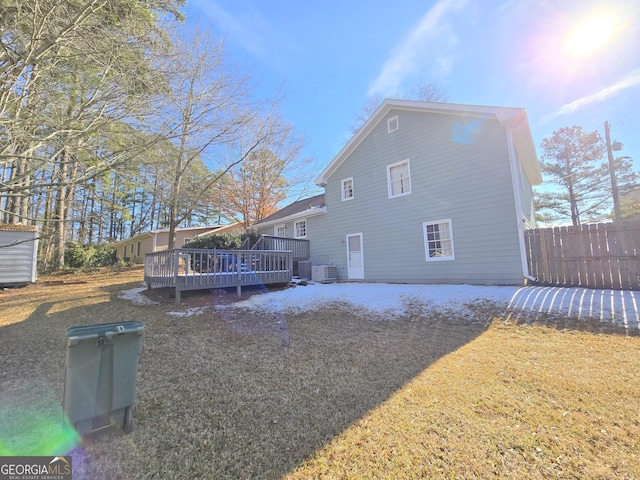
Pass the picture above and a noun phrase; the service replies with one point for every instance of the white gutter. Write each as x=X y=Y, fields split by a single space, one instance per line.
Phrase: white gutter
x=515 y=171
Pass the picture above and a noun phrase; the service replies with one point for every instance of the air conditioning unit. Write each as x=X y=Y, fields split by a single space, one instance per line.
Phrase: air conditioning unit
x=324 y=273
x=304 y=269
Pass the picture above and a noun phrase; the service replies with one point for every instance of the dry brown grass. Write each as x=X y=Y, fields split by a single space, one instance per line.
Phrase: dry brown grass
x=328 y=394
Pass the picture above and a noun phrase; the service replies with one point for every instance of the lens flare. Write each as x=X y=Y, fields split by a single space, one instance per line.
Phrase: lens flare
x=591 y=35
x=41 y=430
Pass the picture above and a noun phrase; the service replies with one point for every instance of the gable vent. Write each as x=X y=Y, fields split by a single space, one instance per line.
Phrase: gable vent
x=392 y=124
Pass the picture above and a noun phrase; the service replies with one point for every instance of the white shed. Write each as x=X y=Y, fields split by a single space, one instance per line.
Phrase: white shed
x=18 y=254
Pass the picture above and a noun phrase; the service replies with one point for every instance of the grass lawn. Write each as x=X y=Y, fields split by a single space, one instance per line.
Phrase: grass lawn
x=231 y=393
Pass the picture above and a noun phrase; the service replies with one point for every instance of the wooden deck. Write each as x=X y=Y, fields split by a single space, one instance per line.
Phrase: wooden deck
x=200 y=269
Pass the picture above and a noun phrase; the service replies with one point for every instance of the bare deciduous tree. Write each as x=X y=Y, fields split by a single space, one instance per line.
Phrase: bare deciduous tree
x=207 y=108
x=253 y=189
x=65 y=81
x=422 y=91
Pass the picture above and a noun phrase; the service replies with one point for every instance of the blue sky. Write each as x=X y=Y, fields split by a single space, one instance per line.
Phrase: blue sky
x=331 y=56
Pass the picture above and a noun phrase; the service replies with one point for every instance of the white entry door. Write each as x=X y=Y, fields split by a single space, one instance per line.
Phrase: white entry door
x=355 y=258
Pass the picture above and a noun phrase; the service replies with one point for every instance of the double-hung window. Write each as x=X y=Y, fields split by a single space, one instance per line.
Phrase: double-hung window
x=347 y=189
x=300 y=229
x=438 y=240
x=281 y=231
x=399 y=179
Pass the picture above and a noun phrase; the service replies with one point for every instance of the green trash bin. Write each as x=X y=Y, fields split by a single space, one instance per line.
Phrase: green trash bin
x=100 y=375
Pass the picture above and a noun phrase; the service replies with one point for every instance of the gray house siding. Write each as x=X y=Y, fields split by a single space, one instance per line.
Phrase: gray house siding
x=314 y=230
x=469 y=183
x=18 y=261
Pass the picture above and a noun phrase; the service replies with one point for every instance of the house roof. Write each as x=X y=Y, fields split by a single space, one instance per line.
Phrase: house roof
x=17 y=227
x=229 y=228
x=514 y=118
x=300 y=208
x=186 y=229
x=205 y=230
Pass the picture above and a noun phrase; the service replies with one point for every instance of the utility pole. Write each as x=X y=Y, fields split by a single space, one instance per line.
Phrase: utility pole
x=612 y=170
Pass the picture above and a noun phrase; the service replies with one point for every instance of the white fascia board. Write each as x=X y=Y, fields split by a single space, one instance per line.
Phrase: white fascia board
x=311 y=212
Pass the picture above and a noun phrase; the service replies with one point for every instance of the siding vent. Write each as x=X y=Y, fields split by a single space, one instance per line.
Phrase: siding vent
x=392 y=124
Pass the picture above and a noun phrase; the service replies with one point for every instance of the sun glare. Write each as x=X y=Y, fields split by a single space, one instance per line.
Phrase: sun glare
x=590 y=35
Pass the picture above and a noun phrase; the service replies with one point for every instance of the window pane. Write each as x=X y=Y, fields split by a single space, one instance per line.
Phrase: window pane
x=347 y=189
x=439 y=241
x=301 y=228
x=399 y=179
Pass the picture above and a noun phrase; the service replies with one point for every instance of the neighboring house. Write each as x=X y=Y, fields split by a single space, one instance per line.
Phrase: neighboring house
x=135 y=248
x=18 y=254
x=424 y=193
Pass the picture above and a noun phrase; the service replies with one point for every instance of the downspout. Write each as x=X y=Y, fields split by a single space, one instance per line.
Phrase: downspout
x=513 y=161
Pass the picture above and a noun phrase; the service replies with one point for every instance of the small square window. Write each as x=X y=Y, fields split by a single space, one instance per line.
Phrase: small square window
x=347 y=189
x=399 y=179
x=438 y=241
x=392 y=124
x=300 y=229
x=281 y=231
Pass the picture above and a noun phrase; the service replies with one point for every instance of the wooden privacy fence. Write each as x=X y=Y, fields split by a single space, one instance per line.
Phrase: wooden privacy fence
x=598 y=255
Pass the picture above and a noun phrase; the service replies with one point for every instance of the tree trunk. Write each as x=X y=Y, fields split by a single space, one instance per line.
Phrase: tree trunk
x=59 y=211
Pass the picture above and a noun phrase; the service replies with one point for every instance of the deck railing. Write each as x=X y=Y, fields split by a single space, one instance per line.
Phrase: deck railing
x=298 y=246
x=199 y=268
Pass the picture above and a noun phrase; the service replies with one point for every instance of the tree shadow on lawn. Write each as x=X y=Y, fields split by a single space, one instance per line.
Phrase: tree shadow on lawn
x=220 y=394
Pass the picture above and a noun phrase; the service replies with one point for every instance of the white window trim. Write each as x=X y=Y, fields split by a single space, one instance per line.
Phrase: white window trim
x=275 y=230
x=389 y=189
x=390 y=122
x=426 y=242
x=295 y=228
x=344 y=198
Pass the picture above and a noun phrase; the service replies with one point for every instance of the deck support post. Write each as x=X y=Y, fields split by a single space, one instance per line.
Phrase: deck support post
x=177 y=296
x=239 y=291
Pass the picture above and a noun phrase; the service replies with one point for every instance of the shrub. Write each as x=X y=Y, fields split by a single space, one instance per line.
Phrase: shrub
x=89 y=256
x=253 y=237
x=223 y=241
x=76 y=255
x=104 y=255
